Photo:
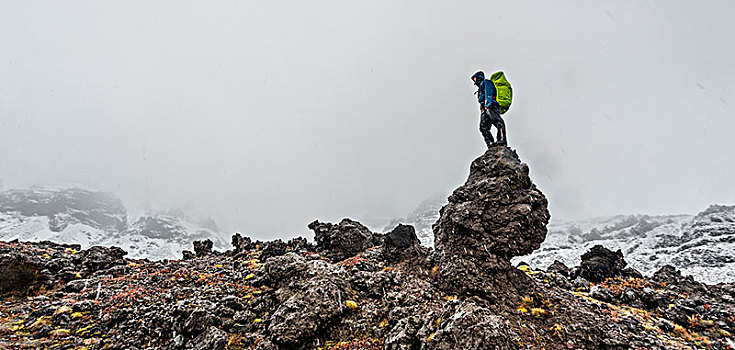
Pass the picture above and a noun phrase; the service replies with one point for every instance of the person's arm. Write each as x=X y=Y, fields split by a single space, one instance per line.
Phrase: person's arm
x=489 y=93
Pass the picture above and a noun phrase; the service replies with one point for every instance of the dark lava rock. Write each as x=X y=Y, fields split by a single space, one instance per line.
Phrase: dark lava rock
x=310 y=302
x=76 y=286
x=673 y=278
x=341 y=241
x=601 y=293
x=241 y=243
x=600 y=263
x=497 y=214
x=471 y=326
x=282 y=270
x=273 y=248
x=300 y=244
x=203 y=248
x=198 y=321
x=19 y=274
x=402 y=243
x=558 y=267
x=403 y=335
x=212 y=339
x=100 y=258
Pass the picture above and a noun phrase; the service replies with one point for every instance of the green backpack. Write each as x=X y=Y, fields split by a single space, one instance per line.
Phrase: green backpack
x=504 y=93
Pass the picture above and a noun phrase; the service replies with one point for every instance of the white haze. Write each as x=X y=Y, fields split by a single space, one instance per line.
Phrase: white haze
x=268 y=115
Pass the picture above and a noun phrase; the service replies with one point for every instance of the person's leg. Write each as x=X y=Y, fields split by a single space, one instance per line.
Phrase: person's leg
x=497 y=120
x=500 y=124
x=485 y=125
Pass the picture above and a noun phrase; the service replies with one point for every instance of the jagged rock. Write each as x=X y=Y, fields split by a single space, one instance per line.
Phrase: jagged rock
x=241 y=243
x=212 y=339
x=558 y=267
x=203 y=248
x=581 y=284
x=341 y=241
x=600 y=263
x=282 y=270
x=273 y=248
x=403 y=335
x=101 y=258
x=20 y=274
x=497 y=214
x=198 y=321
x=188 y=254
x=76 y=286
x=471 y=326
x=308 y=312
x=402 y=243
x=600 y=293
x=373 y=284
x=300 y=244
x=674 y=279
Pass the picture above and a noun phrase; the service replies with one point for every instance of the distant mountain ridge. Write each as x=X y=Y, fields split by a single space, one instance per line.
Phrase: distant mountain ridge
x=83 y=216
x=702 y=245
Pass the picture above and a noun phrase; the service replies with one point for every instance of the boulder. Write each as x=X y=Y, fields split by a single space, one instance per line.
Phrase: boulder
x=203 y=248
x=341 y=241
x=240 y=243
x=20 y=275
x=101 y=258
x=272 y=248
x=310 y=311
x=674 y=279
x=402 y=243
x=558 y=267
x=600 y=263
x=471 y=326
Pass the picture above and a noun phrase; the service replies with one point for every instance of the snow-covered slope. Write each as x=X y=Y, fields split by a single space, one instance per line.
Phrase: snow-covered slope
x=160 y=236
x=702 y=245
x=86 y=217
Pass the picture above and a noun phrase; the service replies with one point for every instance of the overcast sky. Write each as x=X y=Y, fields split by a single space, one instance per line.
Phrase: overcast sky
x=268 y=114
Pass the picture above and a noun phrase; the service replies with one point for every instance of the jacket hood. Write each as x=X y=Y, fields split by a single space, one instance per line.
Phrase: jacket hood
x=480 y=75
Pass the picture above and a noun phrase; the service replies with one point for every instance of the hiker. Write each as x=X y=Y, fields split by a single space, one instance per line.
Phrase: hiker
x=489 y=113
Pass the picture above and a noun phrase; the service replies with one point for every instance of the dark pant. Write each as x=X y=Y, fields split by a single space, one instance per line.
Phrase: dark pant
x=488 y=118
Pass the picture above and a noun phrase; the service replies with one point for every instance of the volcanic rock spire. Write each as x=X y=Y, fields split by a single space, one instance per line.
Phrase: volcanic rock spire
x=496 y=215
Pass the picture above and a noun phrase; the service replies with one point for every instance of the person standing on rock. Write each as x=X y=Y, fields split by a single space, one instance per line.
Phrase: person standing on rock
x=489 y=113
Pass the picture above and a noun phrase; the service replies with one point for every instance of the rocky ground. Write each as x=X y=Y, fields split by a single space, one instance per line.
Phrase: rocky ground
x=356 y=289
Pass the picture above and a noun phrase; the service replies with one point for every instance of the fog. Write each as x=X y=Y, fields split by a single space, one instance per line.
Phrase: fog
x=268 y=115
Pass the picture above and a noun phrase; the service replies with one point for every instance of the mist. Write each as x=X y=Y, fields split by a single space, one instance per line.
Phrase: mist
x=268 y=115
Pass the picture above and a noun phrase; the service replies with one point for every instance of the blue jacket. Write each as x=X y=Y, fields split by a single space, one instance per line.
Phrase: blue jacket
x=485 y=90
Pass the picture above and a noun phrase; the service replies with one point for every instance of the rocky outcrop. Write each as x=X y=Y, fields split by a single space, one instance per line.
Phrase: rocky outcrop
x=600 y=263
x=19 y=274
x=343 y=240
x=101 y=258
x=496 y=215
x=401 y=244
